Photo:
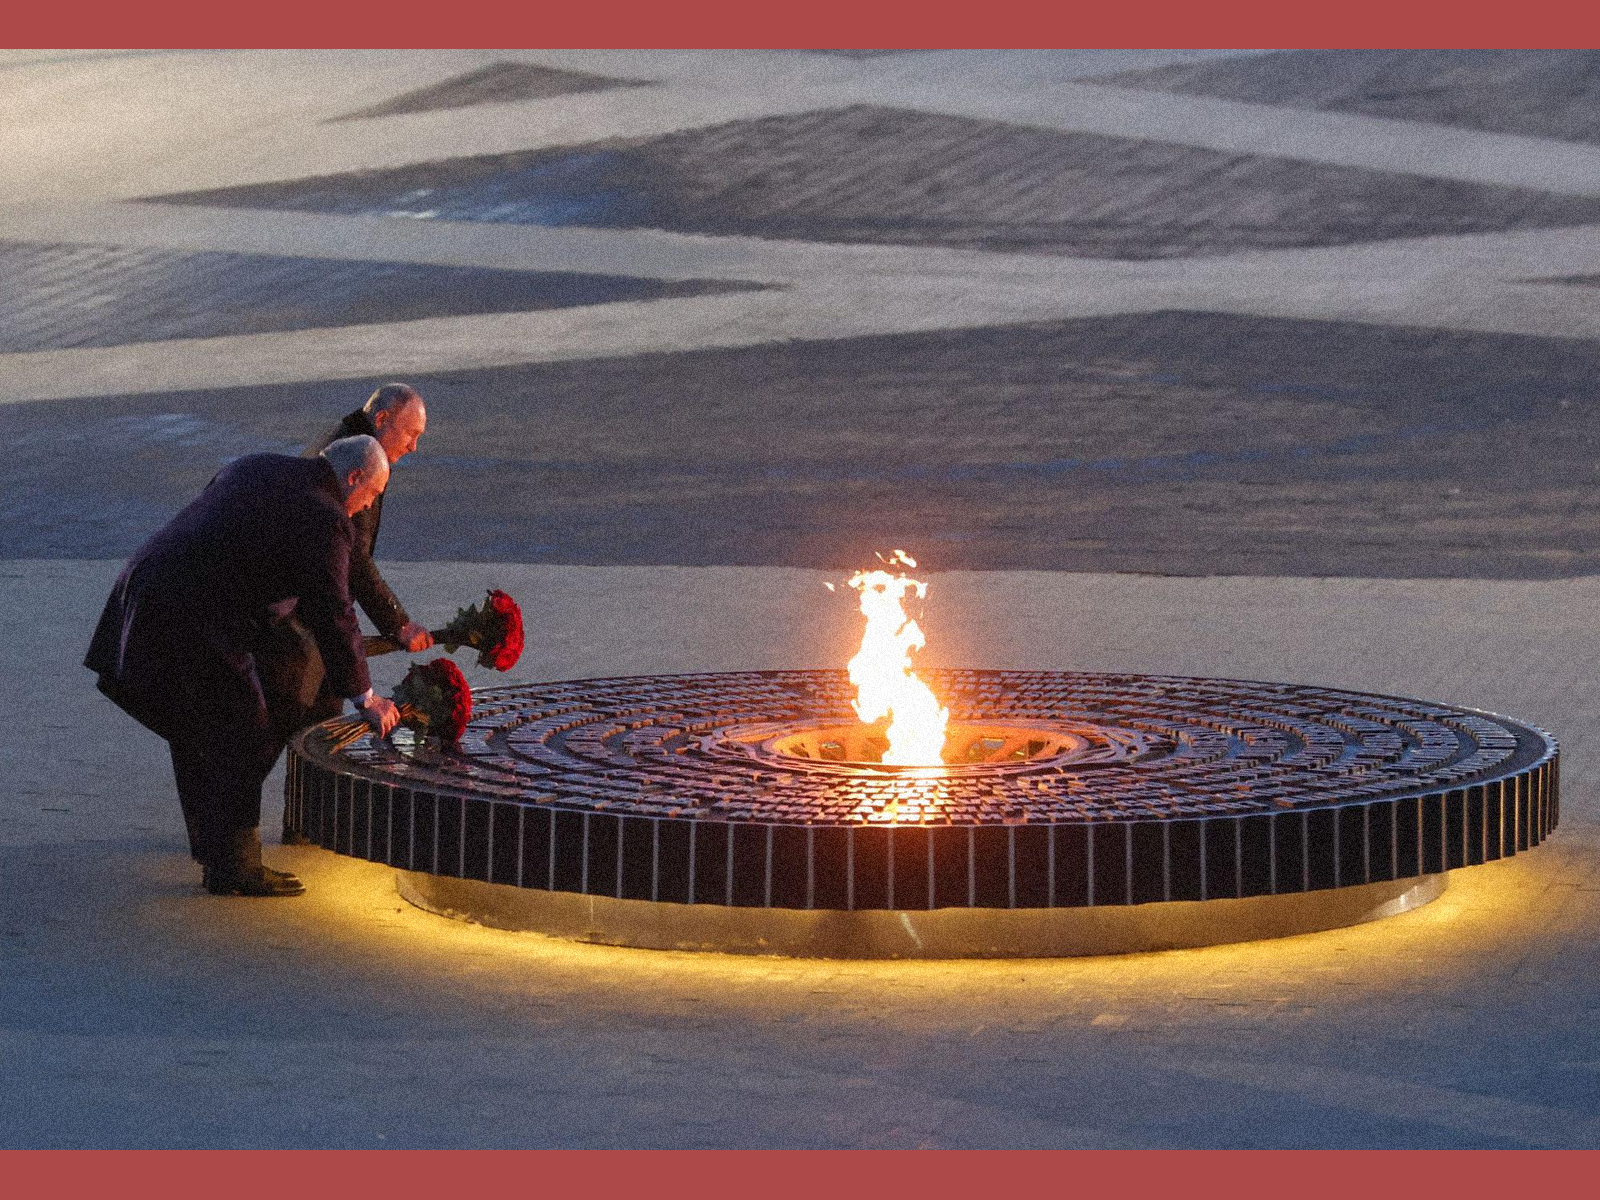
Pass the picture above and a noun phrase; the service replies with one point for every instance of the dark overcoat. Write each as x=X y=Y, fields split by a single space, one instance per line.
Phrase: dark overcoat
x=297 y=689
x=175 y=644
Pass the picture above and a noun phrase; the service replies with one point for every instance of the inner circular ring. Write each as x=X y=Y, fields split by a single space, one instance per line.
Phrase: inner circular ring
x=966 y=743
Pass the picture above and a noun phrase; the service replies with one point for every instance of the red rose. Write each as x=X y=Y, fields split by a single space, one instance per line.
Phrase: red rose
x=435 y=700
x=449 y=680
x=506 y=648
x=495 y=631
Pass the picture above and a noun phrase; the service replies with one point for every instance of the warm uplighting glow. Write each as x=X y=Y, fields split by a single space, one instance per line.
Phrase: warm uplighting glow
x=881 y=669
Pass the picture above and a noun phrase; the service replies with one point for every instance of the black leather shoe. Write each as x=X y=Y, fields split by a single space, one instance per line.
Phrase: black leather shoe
x=293 y=837
x=238 y=870
x=220 y=882
x=286 y=876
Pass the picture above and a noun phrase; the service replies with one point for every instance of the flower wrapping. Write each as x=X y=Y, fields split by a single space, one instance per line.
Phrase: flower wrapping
x=494 y=631
x=435 y=700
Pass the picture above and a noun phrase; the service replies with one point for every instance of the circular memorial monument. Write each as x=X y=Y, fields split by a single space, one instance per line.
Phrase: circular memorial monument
x=1073 y=813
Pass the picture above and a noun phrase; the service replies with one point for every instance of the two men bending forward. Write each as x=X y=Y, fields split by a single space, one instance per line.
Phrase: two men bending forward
x=253 y=581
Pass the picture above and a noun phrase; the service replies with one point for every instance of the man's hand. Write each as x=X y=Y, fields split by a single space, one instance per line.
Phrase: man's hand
x=382 y=714
x=414 y=637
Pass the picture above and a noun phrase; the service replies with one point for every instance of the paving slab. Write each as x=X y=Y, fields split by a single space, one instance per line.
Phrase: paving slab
x=876 y=173
x=64 y=296
x=497 y=83
x=1543 y=93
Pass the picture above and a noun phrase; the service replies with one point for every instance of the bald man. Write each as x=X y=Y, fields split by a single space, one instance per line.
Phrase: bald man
x=177 y=642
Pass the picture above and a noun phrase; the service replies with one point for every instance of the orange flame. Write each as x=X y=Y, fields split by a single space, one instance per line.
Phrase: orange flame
x=881 y=669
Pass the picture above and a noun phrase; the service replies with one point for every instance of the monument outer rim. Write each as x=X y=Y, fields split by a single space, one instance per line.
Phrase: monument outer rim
x=324 y=804
x=1551 y=743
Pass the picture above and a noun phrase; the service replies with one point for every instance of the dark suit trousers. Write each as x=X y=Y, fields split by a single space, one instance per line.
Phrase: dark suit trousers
x=219 y=786
x=223 y=746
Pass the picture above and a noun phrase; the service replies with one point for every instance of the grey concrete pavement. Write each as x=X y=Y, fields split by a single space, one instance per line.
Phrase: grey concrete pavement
x=346 y=1018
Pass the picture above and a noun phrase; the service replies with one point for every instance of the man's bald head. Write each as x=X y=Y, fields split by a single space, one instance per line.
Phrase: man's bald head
x=399 y=417
x=362 y=468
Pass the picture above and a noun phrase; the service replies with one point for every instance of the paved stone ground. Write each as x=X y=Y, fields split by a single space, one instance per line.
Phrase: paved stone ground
x=1346 y=435
x=1193 y=443
x=1554 y=94
x=347 y=1018
x=63 y=296
x=873 y=173
x=497 y=83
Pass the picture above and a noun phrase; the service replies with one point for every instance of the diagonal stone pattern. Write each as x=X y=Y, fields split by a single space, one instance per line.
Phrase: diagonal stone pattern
x=497 y=83
x=60 y=296
x=882 y=175
x=1540 y=93
x=1190 y=442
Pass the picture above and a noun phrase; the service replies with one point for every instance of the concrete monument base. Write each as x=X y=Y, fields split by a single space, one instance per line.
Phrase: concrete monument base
x=936 y=933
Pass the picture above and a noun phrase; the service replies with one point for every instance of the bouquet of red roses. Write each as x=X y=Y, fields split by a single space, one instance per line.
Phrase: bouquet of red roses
x=434 y=700
x=494 y=631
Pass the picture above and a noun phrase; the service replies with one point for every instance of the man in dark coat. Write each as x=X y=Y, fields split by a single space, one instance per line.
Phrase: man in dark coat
x=396 y=416
x=293 y=674
x=176 y=644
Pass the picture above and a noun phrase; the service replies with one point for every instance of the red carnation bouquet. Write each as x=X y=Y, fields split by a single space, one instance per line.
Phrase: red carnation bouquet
x=434 y=700
x=494 y=631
